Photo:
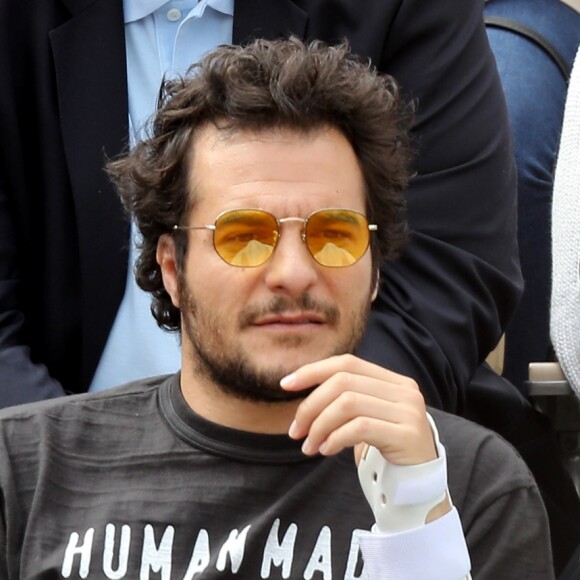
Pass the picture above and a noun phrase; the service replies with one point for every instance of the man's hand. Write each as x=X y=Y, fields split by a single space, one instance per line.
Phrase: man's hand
x=358 y=403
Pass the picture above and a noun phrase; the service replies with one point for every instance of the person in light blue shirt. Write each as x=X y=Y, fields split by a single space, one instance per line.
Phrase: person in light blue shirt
x=80 y=65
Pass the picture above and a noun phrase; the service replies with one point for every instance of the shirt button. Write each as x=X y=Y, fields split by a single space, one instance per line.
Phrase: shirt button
x=174 y=14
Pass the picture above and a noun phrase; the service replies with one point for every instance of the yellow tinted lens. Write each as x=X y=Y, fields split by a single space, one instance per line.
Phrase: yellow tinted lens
x=245 y=237
x=337 y=237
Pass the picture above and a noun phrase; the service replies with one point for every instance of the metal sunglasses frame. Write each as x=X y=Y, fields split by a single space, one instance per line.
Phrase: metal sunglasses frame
x=279 y=222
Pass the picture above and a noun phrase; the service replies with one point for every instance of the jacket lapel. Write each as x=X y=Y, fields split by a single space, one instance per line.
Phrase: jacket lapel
x=89 y=57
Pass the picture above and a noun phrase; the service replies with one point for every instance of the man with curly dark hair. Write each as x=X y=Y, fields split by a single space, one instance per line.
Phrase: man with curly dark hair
x=267 y=194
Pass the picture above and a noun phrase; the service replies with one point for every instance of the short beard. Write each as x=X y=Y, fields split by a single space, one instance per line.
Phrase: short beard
x=236 y=376
x=231 y=370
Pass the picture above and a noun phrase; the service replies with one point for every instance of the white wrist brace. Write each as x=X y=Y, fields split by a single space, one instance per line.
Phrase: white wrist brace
x=401 y=496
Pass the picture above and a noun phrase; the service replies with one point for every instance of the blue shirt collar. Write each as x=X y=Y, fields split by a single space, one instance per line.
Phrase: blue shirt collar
x=137 y=9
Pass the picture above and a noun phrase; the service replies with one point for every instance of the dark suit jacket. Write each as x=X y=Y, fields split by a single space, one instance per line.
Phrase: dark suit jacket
x=64 y=239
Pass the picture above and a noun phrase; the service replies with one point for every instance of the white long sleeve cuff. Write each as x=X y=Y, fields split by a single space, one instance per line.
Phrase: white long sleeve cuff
x=435 y=551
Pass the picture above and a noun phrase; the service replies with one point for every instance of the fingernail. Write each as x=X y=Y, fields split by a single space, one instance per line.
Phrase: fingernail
x=287 y=380
x=293 y=431
x=307 y=447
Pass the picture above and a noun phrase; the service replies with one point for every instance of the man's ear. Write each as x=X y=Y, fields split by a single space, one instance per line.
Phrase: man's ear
x=376 y=288
x=167 y=262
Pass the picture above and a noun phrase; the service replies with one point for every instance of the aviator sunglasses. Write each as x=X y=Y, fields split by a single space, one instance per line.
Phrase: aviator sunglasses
x=248 y=237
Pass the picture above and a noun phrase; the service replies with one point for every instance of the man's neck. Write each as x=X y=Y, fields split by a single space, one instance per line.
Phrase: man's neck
x=213 y=404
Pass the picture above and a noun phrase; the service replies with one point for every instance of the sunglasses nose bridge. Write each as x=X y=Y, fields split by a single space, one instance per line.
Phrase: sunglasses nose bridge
x=303 y=221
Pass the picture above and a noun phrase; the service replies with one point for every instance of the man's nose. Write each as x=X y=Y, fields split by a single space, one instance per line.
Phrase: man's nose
x=291 y=269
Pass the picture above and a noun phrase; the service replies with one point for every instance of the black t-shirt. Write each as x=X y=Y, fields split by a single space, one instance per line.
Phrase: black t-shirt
x=130 y=483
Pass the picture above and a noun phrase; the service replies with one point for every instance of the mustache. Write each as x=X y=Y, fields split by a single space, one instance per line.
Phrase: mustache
x=280 y=304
